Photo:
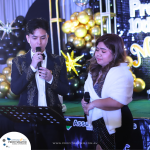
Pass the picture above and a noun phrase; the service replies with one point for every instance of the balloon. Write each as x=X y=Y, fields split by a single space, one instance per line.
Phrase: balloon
x=11 y=43
x=17 y=33
x=88 y=45
x=85 y=67
x=76 y=52
x=95 y=31
x=2 y=95
x=87 y=37
x=4 y=87
x=20 y=20
x=73 y=83
x=66 y=27
x=86 y=53
x=81 y=2
x=81 y=61
x=11 y=54
x=139 y=85
x=75 y=23
x=70 y=38
x=8 y=77
x=6 y=70
x=89 y=11
x=69 y=46
x=16 y=24
x=9 y=62
x=78 y=69
x=70 y=74
x=2 y=78
x=96 y=7
x=80 y=31
x=74 y=16
x=129 y=60
x=69 y=96
x=91 y=23
x=21 y=52
x=78 y=42
x=87 y=27
x=97 y=18
x=14 y=50
x=80 y=92
x=92 y=50
x=19 y=43
x=82 y=78
x=83 y=17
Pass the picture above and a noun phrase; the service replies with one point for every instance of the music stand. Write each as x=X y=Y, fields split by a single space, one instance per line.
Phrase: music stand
x=33 y=114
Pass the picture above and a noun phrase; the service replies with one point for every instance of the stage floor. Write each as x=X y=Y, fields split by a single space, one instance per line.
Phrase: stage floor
x=139 y=108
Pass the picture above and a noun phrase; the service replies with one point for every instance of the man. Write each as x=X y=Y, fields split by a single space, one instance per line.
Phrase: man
x=39 y=86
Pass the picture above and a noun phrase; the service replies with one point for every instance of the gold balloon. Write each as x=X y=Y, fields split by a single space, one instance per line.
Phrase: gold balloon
x=78 y=42
x=4 y=87
x=8 y=77
x=105 y=28
x=2 y=78
x=97 y=18
x=80 y=31
x=83 y=17
x=91 y=23
x=129 y=60
x=12 y=94
x=90 y=17
x=134 y=77
x=75 y=23
x=21 y=52
x=73 y=17
x=66 y=27
x=87 y=27
x=88 y=44
x=9 y=62
x=89 y=11
x=2 y=95
x=70 y=38
x=95 y=31
x=73 y=28
x=87 y=37
x=6 y=70
x=139 y=85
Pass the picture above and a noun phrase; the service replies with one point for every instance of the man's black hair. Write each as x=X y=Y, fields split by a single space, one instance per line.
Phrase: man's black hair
x=36 y=24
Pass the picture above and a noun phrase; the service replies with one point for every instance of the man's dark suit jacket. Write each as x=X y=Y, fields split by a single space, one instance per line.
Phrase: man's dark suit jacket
x=23 y=80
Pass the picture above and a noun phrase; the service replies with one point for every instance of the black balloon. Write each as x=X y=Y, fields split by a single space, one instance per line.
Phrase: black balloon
x=70 y=74
x=76 y=52
x=14 y=50
x=78 y=69
x=82 y=78
x=11 y=43
x=69 y=96
x=85 y=67
x=73 y=83
x=19 y=43
x=86 y=53
x=10 y=54
x=16 y=24
x=69 y=47
x=80 y=92
x=18 y=33
x=81 y=61
x=20 y=19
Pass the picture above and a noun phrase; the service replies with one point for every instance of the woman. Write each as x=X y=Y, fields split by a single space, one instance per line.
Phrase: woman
x=110 y=85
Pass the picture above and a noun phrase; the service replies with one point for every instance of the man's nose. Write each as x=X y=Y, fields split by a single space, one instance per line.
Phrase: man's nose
x=39 y=41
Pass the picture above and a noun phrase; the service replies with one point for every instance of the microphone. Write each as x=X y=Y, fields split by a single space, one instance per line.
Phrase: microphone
x=87 y=99
x=38 y=49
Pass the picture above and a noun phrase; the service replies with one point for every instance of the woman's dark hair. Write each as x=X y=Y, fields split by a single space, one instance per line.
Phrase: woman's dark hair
x=116 y=45
x=36 y=24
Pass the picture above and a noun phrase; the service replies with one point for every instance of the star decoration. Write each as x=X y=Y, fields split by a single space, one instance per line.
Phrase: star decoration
x=7 y=28
x=71 y=61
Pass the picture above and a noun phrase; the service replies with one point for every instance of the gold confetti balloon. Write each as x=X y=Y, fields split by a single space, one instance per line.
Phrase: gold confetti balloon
x=91 y=23
x=88 y=44
x=9 y=62
x=2 y=78
x=129 y=60
x=8 y=77
x=4 y=87
x=95 y=31
x=139 y=85
x=21 y=52
x=71 y=38
x=75 y=23
x=83 y=17
x=66 y=27
x=78 y=42
x=6 y=71
x=97 y=19
x=74 y=16
x=87 y=37
x=87 y=27
x=80 y=31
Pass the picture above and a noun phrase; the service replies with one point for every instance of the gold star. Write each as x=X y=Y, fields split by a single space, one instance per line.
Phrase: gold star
x=71 y=61
x=7 y=28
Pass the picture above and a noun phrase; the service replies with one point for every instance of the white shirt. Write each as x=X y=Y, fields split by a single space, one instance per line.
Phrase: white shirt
x=41 y=82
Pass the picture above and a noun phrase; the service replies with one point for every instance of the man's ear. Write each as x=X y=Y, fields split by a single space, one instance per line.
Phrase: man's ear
x=28 y=39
